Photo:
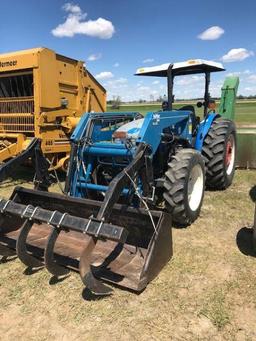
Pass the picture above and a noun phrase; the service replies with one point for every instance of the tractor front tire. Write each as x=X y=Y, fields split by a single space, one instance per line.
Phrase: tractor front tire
x=219 y=152
x=184 y=186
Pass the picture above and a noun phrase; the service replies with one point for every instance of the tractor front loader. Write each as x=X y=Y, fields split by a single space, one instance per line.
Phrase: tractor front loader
x=130 y=178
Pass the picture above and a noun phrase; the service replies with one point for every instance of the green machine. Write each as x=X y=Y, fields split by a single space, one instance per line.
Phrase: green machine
x=246 y=134
x=246 y=141
x=228 y=98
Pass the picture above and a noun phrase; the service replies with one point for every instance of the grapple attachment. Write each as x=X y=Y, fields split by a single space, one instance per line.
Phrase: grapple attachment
x=62 y=233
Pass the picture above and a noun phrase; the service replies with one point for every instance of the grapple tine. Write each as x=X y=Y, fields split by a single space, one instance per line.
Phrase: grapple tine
x=49 y=260
x=97 y=287
x=122 y=249
x=85 y=269
x=21 y=247
x=6 y=254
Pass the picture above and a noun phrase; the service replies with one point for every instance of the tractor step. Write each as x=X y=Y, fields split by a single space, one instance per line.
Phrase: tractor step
x=60 y=232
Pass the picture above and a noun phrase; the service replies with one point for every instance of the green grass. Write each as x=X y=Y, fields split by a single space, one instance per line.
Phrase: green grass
x=245 y=110
x=215 y=308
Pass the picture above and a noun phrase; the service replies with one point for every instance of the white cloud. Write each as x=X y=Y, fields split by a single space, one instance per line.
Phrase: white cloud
x=247 y=72
x=148 y=60
x=104 y=75
x=94 y=57
x=252 y=78
x=144 y=88
x=74 y=24
x=239 y=73
x=119 y=87
x=212 y=33
x=189 y=80
x=116 y=83
x=235 y=55
x=68 y=7
x=247 y=91
x=116 y=64
x=155 y=82
x=121 y=80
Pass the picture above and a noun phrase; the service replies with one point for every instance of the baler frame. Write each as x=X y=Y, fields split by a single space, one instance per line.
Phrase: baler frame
x=43 y=95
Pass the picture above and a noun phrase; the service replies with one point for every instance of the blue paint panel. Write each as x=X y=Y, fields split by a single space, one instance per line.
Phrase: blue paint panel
x=82 y=125
x=99 y=188
x=99 y=135
x=103 y=151
x=154 y=123
x=203 y=129
x=109 y=145
x=80 y=128
x=133 y=130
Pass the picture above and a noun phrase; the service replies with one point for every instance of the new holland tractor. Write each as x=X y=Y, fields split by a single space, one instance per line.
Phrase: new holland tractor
x=129 y=178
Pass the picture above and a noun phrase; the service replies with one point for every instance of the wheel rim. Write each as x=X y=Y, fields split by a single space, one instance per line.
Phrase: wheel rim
x=230 y=155
x=195 y=187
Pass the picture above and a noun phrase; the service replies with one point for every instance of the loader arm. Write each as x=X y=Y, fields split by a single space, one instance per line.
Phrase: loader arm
x=121 y=180
x=117 y=185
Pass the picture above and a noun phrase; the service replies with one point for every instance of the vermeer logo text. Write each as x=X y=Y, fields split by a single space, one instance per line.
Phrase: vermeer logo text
x=9 y=63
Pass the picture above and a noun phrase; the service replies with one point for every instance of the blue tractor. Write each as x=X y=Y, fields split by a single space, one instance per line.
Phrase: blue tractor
x=129 y=178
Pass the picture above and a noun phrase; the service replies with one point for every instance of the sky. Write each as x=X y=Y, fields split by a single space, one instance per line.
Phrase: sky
x=115 y=37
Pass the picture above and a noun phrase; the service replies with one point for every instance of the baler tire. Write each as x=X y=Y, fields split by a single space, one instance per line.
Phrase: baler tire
x=219 y=174
x=177 y=186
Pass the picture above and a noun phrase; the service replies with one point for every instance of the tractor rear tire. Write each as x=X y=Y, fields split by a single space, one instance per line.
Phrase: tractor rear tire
x=184 y=186
x=254 y=229
x=219 y=152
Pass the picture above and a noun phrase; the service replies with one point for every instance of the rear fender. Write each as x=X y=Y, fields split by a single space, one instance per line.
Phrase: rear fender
x=203 y=130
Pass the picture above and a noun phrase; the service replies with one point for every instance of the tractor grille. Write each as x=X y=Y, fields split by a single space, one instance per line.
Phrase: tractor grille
x=16 y=115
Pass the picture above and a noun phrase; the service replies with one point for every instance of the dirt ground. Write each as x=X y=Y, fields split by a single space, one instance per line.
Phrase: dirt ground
x=206 y=292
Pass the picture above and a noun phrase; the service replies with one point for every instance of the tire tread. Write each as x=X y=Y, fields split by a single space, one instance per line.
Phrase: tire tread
x=213 y=152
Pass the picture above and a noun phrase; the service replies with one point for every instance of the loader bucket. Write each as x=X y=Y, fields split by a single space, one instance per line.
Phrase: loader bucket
x=57 y=231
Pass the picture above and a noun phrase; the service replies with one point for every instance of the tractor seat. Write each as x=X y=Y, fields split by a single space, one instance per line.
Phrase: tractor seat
x=193 y=116
x=188 y=108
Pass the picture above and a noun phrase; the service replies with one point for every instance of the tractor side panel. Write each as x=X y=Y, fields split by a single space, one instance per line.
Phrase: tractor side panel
x=155 y=122
x=203 y=129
